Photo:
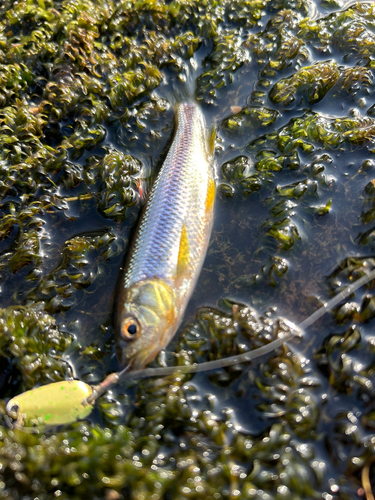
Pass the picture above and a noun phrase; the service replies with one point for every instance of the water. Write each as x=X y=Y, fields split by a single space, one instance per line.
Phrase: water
x=293 y=223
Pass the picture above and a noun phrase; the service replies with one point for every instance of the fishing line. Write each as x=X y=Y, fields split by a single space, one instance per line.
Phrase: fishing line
x=126 y=375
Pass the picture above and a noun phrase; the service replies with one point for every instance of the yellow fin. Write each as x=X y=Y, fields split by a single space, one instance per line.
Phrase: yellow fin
x=211 y=143
x=210 y=197
x=183 y=254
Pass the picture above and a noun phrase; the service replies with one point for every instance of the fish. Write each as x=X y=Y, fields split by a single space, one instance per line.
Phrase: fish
x=170 y=244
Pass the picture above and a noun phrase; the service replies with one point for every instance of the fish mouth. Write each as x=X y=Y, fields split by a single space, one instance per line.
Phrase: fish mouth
x=142 y=358
x=137 y=360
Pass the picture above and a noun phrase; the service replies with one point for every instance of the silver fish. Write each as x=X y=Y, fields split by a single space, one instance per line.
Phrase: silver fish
x=170 y=244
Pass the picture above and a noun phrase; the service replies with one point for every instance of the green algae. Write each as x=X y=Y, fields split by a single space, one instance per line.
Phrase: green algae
x=86 y=98
x=32 y=339
x=315 y=80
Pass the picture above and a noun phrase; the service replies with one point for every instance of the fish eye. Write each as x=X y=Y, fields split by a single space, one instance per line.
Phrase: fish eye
x=130 y=329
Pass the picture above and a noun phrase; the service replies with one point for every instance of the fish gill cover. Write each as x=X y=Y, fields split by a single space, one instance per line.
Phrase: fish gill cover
x=86 y=111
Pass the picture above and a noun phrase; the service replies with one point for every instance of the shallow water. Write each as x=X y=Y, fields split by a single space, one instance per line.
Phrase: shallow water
x=87 y=95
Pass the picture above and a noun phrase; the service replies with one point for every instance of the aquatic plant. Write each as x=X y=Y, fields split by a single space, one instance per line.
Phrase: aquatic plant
x=87 y=89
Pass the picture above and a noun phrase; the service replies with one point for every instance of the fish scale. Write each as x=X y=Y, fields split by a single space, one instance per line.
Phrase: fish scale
x=171 y=240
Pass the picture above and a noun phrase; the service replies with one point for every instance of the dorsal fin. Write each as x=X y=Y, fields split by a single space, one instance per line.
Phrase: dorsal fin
x=211 y=142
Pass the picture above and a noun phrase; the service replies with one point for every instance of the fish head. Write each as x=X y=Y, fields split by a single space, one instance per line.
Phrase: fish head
x=147 y=319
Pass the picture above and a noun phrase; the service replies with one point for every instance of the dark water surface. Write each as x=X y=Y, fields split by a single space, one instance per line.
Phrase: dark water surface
x=87 y=90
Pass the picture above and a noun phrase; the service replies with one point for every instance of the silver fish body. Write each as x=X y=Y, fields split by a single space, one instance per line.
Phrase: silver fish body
x=170 y=244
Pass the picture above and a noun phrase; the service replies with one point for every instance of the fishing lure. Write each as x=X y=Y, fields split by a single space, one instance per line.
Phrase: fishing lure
x=52 y=404
x=170 y=244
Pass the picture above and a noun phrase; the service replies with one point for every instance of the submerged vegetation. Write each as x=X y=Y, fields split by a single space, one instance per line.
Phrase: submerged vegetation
x=86 y=109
